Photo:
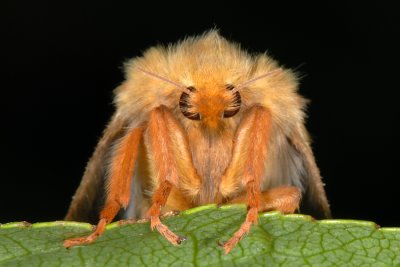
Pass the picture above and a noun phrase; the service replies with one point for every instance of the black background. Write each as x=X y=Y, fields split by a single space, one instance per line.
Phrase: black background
x=61 y=63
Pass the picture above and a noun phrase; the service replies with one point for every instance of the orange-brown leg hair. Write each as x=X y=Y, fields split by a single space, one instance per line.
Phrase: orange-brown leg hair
x=257 y=123
x=167 y=173
x=285 y=199
x=119 y=185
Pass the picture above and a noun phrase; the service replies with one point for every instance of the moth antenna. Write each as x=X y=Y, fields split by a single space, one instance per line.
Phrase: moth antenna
x=180 y=86
x=244 y=84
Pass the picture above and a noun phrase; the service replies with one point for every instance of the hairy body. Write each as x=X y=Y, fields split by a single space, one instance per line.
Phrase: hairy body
x=201 y=122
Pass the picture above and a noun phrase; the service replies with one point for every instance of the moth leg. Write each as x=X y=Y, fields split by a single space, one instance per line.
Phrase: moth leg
x=252 y=136
x=119 y=185
x=167 y=171
x=285 y=199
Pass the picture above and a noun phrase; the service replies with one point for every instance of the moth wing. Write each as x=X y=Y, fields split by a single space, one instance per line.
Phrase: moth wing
x=291 y=162
x=314 y=201
x=90 y=195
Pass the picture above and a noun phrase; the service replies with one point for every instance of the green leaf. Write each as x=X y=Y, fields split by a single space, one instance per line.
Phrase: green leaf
x=278 y=240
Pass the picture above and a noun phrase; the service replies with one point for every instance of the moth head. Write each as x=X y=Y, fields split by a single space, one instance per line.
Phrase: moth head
x=209 y=103
x=210 y=107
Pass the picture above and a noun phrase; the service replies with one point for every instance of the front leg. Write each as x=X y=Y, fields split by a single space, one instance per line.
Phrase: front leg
x=164 y=132
x=248 y=159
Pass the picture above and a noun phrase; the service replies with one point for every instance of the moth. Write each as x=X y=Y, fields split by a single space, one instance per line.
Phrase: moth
x=197 y=122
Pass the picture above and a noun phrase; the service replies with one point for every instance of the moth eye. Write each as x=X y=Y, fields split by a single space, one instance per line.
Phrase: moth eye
x=185 y=106
x=235 y=105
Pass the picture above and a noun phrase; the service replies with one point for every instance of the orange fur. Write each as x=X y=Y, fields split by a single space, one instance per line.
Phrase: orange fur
x=167 y=172
x=202 y=142
x=189 y=180
x=285 y=199
x=119 y=184
x=122 y=168
x=258 y=123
